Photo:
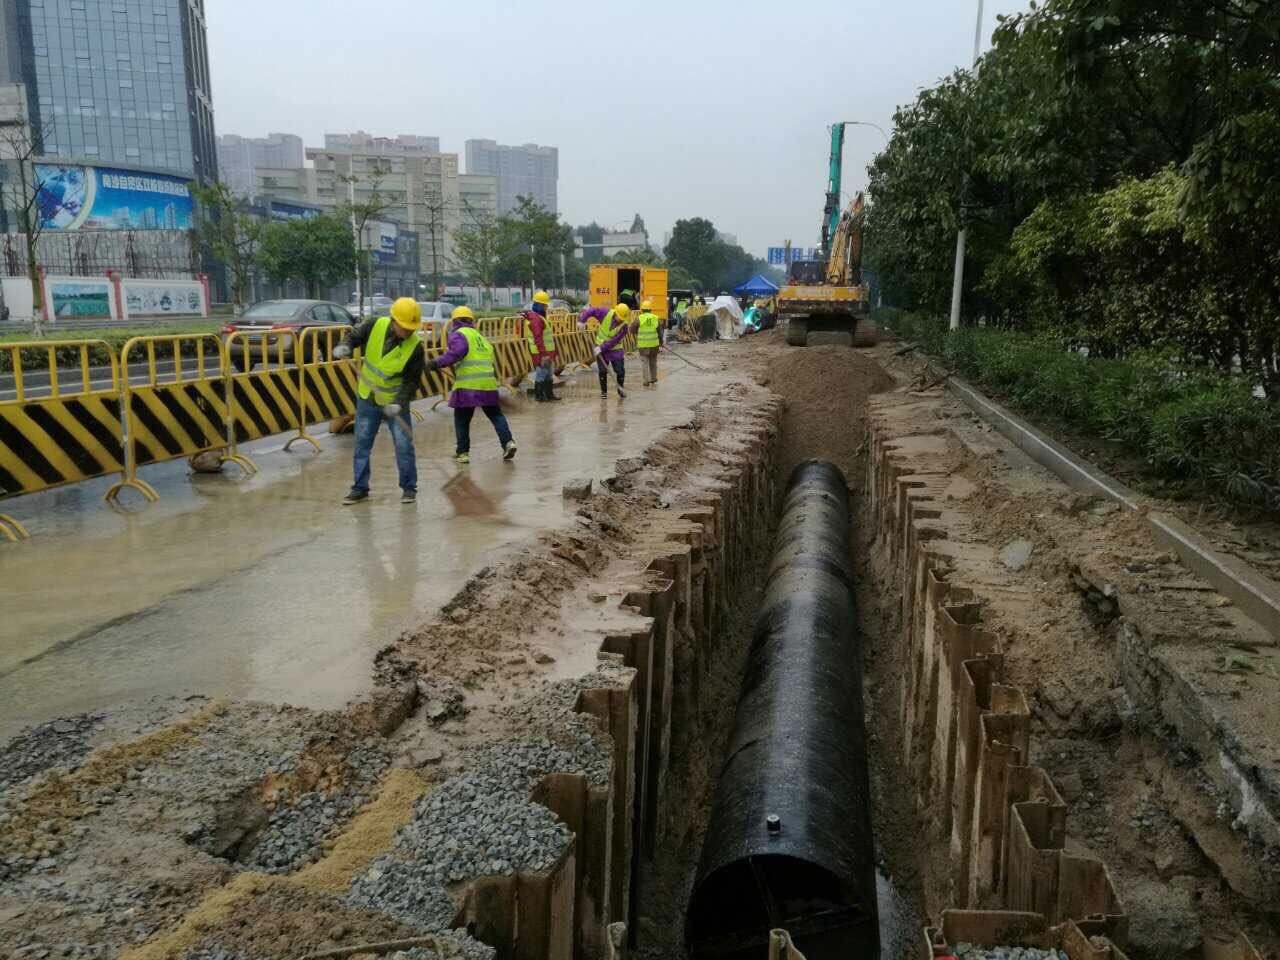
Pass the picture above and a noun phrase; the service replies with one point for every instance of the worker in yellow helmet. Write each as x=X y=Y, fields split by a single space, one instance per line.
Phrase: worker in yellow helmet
x=648 y=327
x=541 y=341
x=390 y=372
x=610 y=332
x=475 y=384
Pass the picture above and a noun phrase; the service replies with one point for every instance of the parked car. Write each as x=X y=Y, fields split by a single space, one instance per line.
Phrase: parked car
x=261 y=321
x=435 y=315
x=374 y=306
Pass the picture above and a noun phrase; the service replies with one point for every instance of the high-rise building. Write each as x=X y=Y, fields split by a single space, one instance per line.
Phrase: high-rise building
x=114 y=81
x=419 y=191
x=405 y=145
x=239 y=158
x=524 y=171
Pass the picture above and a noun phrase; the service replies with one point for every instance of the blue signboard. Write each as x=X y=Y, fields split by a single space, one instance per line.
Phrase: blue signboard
x=73 y=197
x=291 y=211
x=777 y=256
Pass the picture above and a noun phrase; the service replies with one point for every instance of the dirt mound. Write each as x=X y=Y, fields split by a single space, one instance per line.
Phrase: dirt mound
x=824 y=386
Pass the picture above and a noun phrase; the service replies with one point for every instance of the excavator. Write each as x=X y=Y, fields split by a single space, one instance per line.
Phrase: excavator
x=827 y=295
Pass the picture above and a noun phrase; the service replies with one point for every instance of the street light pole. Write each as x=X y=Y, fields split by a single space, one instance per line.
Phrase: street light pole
x=957 y=283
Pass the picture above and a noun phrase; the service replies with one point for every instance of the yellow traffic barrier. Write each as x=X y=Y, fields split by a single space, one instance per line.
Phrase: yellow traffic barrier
x=61 y=432
x=175 y=414
x=328 y=386
x=264 y=387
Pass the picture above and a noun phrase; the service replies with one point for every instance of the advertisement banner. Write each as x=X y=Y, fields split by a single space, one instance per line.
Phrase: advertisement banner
x=78 y=299
x=154 y=298
x=280 y=210
x=73 y=197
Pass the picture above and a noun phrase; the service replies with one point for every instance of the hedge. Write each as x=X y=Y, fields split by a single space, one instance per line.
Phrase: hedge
x=1196 y=430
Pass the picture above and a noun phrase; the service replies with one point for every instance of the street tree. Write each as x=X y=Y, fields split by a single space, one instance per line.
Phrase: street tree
x=319 y=252
x=482 y=244
x=365 y=204
x=27 y=193
x=232 y=234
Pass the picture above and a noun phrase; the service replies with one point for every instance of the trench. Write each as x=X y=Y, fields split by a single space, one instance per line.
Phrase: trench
x=825 y=390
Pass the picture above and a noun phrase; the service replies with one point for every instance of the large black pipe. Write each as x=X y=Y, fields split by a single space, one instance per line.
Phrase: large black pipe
x=789 y=842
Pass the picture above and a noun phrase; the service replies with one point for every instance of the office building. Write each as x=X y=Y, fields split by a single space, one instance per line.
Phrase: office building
x=405 y=145
x=478 y=195
x=239 y=158
x=420 y=189
x=524 y=171
x=114 y=82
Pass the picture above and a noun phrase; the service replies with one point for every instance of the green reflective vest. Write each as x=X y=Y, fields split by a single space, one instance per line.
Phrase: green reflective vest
x=380 y=375
x=607 y=330
x=475 y=371
x=647 y=335
x=548 y=338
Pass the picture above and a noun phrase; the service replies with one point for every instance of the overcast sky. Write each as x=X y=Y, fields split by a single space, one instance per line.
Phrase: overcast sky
x=708 y=108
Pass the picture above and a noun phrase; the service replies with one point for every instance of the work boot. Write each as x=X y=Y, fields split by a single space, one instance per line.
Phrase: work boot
x=539 y=391
x=354 y=496
x=509 y=450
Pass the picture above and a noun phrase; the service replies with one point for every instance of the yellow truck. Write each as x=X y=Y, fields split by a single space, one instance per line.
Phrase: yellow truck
x=609 y=280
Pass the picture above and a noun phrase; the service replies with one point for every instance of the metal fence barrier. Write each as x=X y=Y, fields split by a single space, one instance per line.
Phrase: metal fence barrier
x=62 y=431
x=172 y=414
x=179 y=395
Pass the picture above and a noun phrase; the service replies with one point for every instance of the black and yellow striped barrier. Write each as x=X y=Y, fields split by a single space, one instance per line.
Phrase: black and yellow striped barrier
x=62 y=431
x=328 y=385
x=177 y=413
x=265 y=386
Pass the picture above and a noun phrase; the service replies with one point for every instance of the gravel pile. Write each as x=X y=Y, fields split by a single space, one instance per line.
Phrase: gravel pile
x=58 y=743
x=457 y=945
x=479 y=824
x=294 y=833
x=967 y=951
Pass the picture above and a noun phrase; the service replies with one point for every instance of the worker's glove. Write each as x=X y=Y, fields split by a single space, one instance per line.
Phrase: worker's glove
x=341 y=351
x=391 y=411
x=599 y=351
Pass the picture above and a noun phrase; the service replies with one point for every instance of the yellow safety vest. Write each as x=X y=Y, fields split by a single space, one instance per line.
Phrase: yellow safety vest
x=647 y=335
x=476 y=370
x=606 y=331
x=380 y=376
x=548 y=338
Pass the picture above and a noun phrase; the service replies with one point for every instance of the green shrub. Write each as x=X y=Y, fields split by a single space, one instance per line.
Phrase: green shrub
x=1195 y=428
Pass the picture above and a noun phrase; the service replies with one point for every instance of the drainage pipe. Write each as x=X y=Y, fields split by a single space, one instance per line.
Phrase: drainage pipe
x=789 y=841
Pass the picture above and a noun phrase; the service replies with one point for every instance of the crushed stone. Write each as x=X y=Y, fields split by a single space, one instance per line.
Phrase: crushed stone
x=57 y=744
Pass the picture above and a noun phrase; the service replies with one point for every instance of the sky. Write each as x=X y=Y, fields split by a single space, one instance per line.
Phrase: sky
x=706 y=108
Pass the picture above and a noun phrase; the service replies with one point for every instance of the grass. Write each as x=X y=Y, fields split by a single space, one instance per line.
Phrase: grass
x=1195 y=431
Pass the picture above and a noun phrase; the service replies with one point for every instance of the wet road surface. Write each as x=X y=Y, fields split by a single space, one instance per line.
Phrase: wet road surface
x=266 y=587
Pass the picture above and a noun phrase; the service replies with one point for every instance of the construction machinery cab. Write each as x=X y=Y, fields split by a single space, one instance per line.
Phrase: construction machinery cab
x=807 y=272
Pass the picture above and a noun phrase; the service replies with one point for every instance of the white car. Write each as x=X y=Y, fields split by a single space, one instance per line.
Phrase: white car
x=376 y=306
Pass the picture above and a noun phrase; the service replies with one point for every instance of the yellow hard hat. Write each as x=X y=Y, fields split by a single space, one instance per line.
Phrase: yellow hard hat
x=462 y=313
x=622 y=310
x=542 y=297
x=406 y=313
x=647 y=305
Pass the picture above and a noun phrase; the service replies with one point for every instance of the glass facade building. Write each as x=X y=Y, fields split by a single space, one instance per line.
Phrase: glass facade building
x=116 y=81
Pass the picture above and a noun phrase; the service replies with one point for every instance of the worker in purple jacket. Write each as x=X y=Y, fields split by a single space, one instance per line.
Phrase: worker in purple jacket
x=609 y=350
x=475 y=383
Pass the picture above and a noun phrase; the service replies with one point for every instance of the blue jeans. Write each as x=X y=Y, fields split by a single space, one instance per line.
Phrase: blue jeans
x=462 y=425
x=369 y=419
x=542 y=372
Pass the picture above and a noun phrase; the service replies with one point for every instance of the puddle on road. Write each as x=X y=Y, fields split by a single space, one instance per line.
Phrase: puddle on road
x=266 y=587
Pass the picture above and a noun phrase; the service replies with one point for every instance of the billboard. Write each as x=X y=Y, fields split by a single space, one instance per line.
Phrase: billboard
x=777 y=256
x=158 y=298
x=74 y=197
x=74 y=299
x=279 y=210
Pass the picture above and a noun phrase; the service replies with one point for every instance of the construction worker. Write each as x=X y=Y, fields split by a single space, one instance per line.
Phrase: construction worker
x=609 y=351
x=542 y=346
x=389 y=377
x=475 y=384
x=648 y=327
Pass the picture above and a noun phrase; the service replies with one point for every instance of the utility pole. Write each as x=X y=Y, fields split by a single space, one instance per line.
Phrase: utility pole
x=564 y=286
x=355 y=234
x=957 y=283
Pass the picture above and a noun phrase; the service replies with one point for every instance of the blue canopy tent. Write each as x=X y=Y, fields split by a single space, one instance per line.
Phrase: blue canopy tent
x=757 y=286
